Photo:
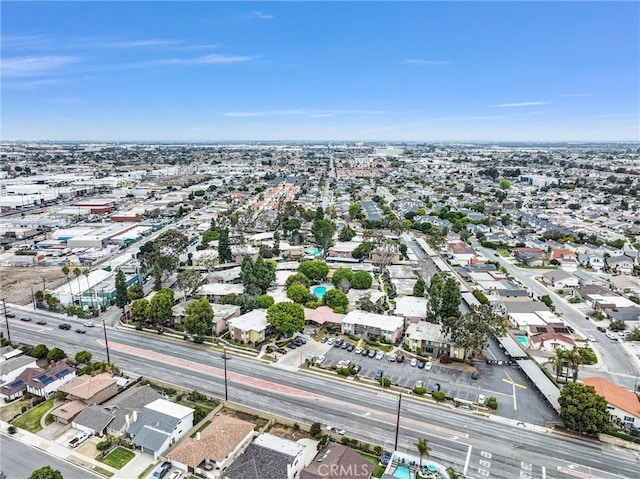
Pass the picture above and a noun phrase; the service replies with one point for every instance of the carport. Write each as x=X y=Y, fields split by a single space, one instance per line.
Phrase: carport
x=512 y=348
x=547 y=389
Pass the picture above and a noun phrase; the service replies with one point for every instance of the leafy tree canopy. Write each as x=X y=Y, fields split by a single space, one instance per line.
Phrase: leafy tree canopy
x=361 y=280
x=199 y=317
x=46 y=472
x=582 y=410
x=298 y=293
x=297 y=278
x=286 y=317
x=314 y=270
x=340 y=274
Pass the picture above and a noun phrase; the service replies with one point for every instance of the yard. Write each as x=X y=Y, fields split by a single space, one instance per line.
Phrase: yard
x=30 y=420
x=119 y=457
x=378 y=470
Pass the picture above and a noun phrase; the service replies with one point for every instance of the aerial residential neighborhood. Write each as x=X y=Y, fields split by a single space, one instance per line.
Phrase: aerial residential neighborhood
x=494 y=297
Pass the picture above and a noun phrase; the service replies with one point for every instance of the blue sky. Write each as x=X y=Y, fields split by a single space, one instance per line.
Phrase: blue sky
x=207 y=71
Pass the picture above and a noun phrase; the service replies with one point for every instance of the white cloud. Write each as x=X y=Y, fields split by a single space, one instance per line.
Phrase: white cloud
x=260 y=16
x=29 y=85
x=574 y=95
x=309 y=113
x=520 y=104
x=155 y=42
x=214 y=58
x=35 y=65
x=428 y=62
x=322 y=115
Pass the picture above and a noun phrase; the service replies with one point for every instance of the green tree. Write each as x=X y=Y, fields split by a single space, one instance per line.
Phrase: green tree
x=264 y=273
x=276 y=244
x=346 y=233
x=66 y=271
x=264 y=301
x=418 y=288
x=323 y=231
x=135 y=292
x=546 y=299
x=471 y=331
x=77 y=273
x=83 y=357
x=319 y=213
x=450 y=299
x=297 y=278
x=40 y=351
x=423 y=448
x=247 y=303
x=314 y=270
x=157 y=277
x=298 y=293
x=248 y=276
x=224 y=250
x=582 y=410
x=361 y=280
x=199 y=317
x=56 y=354
x=188 y=281
x=160 y=307
x=336 y=300
x=435 y=298
x=355 y=211
x=363 y=250
x=122 y=295
x=505 y=184
x=140 y=310
x=453 y=474
x=316 y=429
x=286 y=317
x=340 y=274
x=46 y=472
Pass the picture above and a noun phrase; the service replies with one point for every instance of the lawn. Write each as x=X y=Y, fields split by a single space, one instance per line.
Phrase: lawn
x=378 y=470
x=118 y=457
x=30 y=420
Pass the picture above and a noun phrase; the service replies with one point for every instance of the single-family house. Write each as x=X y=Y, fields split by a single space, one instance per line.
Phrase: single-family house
x=250 y=327
x=210 y=451
x=93 y=420
x=39 y=381
x=11 y=368
x=530 y=256
x=550 y=341
x=427 y=339
x=335 y=460
x=559 y=279
x=373 y=326
x=90 y=389
x=623 y=405
x=159 y=425
x=620 y=264
x=124 y=407
x=270 y=457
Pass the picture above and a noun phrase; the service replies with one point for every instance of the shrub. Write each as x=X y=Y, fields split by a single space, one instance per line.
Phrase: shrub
x=384 y=382
x=264 y=301
x=445 y=359
x=316 y=429
x=419 y=391
x=361 y=280
x=438 y=396
x=104 y=445
x=492 y=403
x=11 y=429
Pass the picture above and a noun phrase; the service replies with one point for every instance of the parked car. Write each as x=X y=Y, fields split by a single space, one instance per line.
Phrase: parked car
x=351 y=347
x=81 y=331
x=320 y=359
x=338 y=343
x=41 y=322
x=421 y=364
x=418 y=384
x=601 y=329
x=281 y=351
x=611 y=336
x=434 y=387
x=10 y=315
x=79 y=439
x=25 y=319
x=481 y=398
x=428 y=365
x=344 y=345
x=301 y=339
x=324 y=339
x=162 y=470
x=372 y=353
x=365 y=352
x=357 y=368
x=378 y=374
x=64 y=326
x=380 y=355
x=414 y=362
x=591 y=338
x=392 y=358
x=474 y=375
x=358 y=351
x=292 y=346
x=175 y=475
x=340 y=364
x=400 y=358
x=89 y=324
x=331 y=340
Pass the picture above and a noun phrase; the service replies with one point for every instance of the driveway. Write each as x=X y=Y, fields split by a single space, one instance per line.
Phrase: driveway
x=295 y=357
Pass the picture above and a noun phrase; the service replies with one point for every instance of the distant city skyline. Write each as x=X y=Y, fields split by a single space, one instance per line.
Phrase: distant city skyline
x=338 y=71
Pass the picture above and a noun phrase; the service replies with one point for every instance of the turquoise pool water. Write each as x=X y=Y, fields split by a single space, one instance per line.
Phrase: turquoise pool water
x=319 y=291
x=313 y=251
x=523 y=340
x=402 y=472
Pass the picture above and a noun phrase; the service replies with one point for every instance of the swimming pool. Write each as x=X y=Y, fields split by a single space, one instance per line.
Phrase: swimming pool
x=319 y=291
x=402 y=472
x=523 y=340
x=313 y=251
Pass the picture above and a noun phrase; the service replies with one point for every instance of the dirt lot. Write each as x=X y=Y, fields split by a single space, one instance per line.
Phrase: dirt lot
x=289 y=433
x=16 y=283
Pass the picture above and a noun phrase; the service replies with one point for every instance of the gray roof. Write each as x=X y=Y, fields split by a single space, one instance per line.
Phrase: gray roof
x=150 y=439
x=546 y=387
x=150 y=418
x=512 y=347
x=95 y=418
x=133 y=399
x=12 y=364
x=258 y=462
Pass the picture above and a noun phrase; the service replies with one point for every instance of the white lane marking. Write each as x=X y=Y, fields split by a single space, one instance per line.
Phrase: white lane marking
x=466 y=463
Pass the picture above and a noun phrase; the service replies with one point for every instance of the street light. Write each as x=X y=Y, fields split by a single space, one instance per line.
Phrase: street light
x=6 y=320
x=106 y=341
x=395 y=448
x=226 y=389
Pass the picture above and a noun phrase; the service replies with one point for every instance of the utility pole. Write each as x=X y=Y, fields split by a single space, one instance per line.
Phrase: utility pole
x=106 y=342
x=226 y=390
x=395 y=447
x=6 y=320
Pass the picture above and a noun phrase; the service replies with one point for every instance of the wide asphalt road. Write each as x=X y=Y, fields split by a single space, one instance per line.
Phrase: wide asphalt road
x=479 y=446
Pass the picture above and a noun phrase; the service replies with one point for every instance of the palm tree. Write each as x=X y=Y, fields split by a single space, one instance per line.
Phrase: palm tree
x=558 y=362
x=423 y=448
x=85 y=272
x=574 y=360
x=76 y=272
x=453 y=474
x=66 y=271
